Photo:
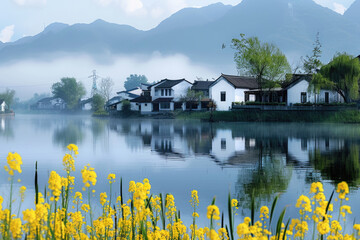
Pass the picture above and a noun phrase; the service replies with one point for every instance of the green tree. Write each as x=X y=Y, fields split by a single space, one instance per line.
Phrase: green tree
x=312 y=63
x=70 y=91
x=8 y=97
x=264 y=61
x=192 y=97
x=97 y=104
x=134 y=81
x=342 y=75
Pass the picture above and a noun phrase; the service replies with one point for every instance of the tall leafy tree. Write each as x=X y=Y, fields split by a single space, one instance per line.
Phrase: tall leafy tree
x=312 y=63
x=134 y=81
x=342 y=75
x=70 y=91
x=97 y=104
x=264 y=61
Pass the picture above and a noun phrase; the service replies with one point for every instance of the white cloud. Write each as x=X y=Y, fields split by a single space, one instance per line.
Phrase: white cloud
x=339 y=8
x=128 y=6
x=7 y=33
x=132 y=5
x=30 y=2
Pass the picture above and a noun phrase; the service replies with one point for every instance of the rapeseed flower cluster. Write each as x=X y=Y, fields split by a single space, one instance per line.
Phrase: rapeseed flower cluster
x=151 y=217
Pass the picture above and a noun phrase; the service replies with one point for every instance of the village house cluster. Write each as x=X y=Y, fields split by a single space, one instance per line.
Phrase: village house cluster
x=168 y=95
x=226 y=93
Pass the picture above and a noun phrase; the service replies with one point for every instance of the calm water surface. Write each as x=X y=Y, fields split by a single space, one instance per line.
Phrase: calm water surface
x=179 y=156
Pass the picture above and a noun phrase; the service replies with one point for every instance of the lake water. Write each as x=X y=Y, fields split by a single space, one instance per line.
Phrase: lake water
x=179 y=156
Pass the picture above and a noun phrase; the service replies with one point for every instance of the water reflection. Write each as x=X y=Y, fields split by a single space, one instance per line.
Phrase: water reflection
x=69 y=132
x=177 y=156
x=6 y=129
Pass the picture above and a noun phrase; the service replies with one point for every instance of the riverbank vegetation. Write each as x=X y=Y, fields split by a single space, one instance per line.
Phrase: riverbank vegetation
x=61 y=213
x=345 y=116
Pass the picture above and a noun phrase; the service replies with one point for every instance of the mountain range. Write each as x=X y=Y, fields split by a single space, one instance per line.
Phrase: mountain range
x=200 y=33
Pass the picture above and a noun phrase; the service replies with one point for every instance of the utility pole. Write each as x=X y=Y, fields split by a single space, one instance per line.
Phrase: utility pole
x=94 y=87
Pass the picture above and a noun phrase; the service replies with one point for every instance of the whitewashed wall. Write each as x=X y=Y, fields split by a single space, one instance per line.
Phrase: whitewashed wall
x=2 y=107
x=146 y=107
x=294 y=94
x=240 y=94
x=180 y=89
x=222 y=85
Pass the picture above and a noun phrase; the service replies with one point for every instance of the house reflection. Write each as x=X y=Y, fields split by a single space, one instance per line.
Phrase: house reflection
x=245 y=145
x=6 y=127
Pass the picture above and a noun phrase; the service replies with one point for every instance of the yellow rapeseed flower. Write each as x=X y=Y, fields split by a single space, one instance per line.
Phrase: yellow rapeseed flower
x=88 y=175
x=55 y=184
x=74 y=148
x=194 y=199
x=213 y=212
x=342 y=189
x=111 y=177
x=14 y=161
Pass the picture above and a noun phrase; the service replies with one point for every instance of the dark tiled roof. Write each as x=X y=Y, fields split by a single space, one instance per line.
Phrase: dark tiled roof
x=86 y=101
x=128 y=91
x=297 y=78
x=142 y=99
x=167 y=83
x=201 y=85
x=158 y=100
x=241 y=81
x=47 y=99
x=132 y=95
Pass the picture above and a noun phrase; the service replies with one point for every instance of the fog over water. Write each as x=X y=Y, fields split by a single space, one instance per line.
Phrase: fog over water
x=37 y=76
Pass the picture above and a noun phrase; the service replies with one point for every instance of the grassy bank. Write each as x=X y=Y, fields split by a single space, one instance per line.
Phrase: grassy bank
x=346 y=116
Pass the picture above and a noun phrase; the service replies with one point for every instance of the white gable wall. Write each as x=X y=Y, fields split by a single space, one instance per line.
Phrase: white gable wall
x=215 y=90
x=2 y=107
x=294 y=93
x=180 y=89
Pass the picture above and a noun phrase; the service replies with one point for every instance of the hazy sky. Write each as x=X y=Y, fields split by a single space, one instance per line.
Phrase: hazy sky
x=20 y=18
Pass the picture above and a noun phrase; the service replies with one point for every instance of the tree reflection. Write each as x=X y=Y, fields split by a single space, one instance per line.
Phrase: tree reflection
x=338 y=165
x=72 y=132
x=270 y=175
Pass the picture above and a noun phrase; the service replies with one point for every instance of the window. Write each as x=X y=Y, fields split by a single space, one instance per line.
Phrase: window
x=162 y=92
x=165 y=105
x=145 y=104
x=223 y=144
x=166 y=92
x=303 y=97
x=223 y=96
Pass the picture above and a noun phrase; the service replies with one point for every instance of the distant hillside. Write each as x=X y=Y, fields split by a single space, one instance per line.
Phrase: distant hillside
x=353 y=12
x=200 y=32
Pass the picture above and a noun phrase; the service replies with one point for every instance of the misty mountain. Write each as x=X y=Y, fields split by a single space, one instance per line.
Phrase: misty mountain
x=353 y=12
x=200 y=32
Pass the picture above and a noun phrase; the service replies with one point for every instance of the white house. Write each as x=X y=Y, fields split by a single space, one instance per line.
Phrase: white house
x=2 y=105
x=167 y=93
x=162 y=96
x=229 y=88
x=298 y=92
x=50 y=103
